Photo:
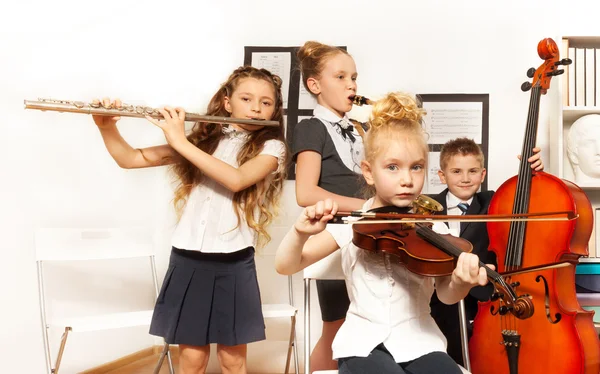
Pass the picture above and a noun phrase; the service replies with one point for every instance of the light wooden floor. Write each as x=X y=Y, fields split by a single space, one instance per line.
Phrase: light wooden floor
x=146 y=366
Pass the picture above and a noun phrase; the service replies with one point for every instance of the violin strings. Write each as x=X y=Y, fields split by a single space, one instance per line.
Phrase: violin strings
x=443 y=244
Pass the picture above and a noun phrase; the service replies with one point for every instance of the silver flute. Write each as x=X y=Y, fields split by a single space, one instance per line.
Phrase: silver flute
x=126 y=110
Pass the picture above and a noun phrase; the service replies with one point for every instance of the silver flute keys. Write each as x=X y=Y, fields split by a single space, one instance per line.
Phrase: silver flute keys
x=132 y=111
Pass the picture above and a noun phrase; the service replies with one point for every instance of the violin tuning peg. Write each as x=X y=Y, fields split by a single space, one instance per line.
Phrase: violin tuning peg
x=503 y=310
x=526 y=86
x=515 y=284
x=530 y=72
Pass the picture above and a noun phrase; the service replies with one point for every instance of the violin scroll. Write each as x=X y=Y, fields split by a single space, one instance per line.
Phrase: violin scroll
x=523 y=307
x=519 y=306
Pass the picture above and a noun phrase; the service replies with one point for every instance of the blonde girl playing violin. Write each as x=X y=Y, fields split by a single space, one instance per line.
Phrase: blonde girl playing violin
x=388 y=328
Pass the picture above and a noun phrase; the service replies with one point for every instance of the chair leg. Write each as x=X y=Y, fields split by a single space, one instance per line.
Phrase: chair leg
x=290 y=346
x=170 y=362
x=295 y=343
x=464 y=337
x=63 y=342
x=48 y=356
x=296 y=368
x=307 y=325
x=164 y=353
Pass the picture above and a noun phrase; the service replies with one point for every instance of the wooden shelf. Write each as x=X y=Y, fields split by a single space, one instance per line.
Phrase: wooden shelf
x=589 y=186
x=572 y=113
x=583 y=41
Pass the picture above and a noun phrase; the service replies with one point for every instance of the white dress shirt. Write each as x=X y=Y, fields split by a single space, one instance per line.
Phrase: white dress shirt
x=351 y=153
x=453 y=210
x=388 y=304
x=208 y=223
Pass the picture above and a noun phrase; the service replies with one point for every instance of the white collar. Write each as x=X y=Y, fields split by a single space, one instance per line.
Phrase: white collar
x=327 y=115
x=452 y=201
x=232 y=132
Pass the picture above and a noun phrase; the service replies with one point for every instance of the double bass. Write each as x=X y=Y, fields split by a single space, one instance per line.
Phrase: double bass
x=560 y=337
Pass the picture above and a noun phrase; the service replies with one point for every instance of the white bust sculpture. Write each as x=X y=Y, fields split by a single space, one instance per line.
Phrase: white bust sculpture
x=583 y=149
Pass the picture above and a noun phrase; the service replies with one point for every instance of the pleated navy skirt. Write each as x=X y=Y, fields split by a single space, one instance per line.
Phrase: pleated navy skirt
x=209 y=298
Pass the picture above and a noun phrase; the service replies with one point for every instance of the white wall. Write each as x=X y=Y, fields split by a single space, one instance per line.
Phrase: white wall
x=57 y=172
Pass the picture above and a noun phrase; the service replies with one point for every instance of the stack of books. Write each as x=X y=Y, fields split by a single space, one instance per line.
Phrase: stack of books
x=582 y=77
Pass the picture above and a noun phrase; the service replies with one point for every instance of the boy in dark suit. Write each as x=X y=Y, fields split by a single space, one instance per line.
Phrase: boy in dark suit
x=461 y=169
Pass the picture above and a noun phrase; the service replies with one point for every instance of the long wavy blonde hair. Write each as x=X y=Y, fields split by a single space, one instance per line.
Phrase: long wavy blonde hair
x=262 y=197
x=397 y=115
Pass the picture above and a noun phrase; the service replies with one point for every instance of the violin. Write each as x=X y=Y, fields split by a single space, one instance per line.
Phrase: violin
x=425 y=252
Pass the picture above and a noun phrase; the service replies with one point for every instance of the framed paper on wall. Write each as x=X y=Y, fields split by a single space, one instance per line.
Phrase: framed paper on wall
x=451 y=116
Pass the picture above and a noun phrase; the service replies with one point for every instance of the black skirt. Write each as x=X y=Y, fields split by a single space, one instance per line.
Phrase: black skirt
x=209 y=298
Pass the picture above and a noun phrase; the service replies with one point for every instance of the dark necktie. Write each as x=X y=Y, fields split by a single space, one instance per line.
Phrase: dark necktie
x=463 y=207
x=346 y=132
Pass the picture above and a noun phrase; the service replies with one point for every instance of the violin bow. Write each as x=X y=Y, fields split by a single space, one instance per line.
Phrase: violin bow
x=372 y=218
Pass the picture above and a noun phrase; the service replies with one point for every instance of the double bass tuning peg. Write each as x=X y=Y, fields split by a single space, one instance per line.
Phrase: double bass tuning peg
x=564 y=61
x=530 y=72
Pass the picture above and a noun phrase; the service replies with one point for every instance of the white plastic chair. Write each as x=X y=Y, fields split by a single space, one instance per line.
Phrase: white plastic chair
x=331 y=268
x=77 y=244
x=269 y=311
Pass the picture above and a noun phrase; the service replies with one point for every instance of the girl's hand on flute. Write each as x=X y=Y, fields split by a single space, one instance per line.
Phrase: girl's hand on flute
x=173 y=126
x=106 y=121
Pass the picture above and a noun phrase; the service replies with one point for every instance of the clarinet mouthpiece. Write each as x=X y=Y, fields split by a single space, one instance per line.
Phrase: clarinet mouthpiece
x=361 y=100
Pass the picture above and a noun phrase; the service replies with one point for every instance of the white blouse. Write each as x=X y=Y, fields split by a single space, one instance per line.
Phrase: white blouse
x=388 y=304
x=208 y=223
